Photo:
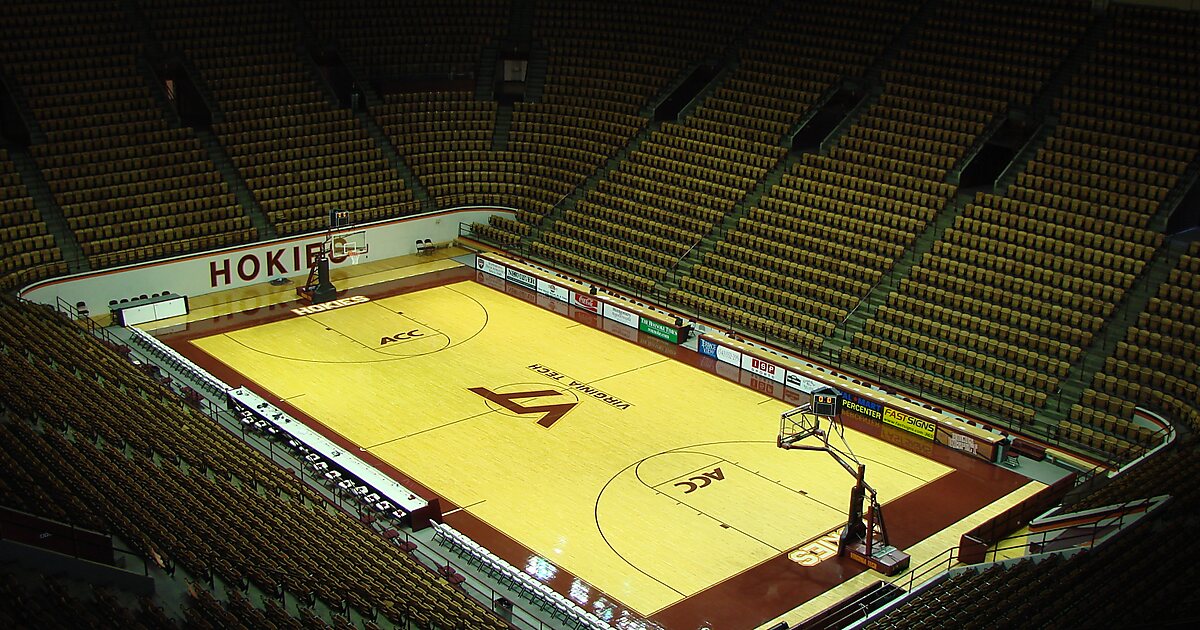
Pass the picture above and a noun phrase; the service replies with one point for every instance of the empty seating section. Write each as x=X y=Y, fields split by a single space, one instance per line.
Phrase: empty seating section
x=615 y=56
x=769 y=256
x=29 y=251
x=446 y=140
x=684 y=179
x=1154 y=366
x=968 y=62
x=300 y=156
x=105 y=442
x=1127 y=131
x=1010 y=295
x=802 y=51
x=130 y=187
x=1000 y=52
x=613 y=66
x=428 y=38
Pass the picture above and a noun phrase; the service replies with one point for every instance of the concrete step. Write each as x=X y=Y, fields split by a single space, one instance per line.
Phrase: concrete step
x=50 y=211
x=381 y=139
x=262 y=224
x=504 y=114
x=535 y=72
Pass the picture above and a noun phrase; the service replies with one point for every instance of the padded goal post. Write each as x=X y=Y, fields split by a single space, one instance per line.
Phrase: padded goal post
x=864 y=538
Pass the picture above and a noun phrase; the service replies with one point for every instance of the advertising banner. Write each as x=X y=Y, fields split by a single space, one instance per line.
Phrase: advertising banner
x=521 y=278
x=763 y=367
x=621 y=315
x=798 y=381
x=553 y=290
x=658 y=329
x=707 y=348
x=729 y=355
x=862 y=406
x=489 y=266
x=585 y=302
x=912 y=424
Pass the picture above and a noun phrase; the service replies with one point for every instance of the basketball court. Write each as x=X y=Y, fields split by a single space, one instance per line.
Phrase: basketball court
x=647 y=483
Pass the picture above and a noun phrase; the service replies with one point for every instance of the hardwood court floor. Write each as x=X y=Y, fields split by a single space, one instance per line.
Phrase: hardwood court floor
x=646 y=480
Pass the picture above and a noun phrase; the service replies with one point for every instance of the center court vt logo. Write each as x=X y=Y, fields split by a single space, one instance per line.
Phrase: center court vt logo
x=550 y=413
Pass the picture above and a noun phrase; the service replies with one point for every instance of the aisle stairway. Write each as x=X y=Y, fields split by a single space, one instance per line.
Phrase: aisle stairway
x=51 y=212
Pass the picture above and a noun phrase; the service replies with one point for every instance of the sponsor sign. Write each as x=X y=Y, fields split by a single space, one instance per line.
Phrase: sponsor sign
x=586 y=302
x=489 y=266
x=520 y=277
x=658 y=329
x=707 y=348
x=800 y=382
x=762 y=367
x=912 y=424
x=960 y=442
x=729 y=355
x=862 y=406
x=553 y=290
x=620 y=315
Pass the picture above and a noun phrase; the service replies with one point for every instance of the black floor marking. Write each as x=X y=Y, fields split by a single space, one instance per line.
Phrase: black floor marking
x=414 y=319
x=342 y=334
x=596 y=508
x=687 y=474
x=486 y=319
x=427 y=430
x=637 y=474
x=640 y=367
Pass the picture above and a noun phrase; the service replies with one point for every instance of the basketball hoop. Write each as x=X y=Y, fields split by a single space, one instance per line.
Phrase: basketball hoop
x=352 y=255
